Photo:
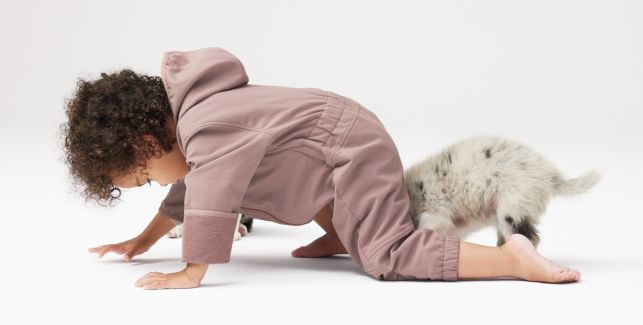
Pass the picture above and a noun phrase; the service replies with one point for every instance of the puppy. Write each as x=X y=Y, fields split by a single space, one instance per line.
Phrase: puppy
x=487 y=181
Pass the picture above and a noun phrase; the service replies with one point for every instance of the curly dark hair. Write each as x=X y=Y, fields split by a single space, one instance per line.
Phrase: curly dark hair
x=103 y=135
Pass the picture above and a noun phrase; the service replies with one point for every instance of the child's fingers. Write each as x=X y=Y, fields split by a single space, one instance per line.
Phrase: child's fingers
x=157 y=284
x=149 y=277
x=102 y=249
x=106 y=249
x=154 y=282
x=99 y=249
x=129 y=254
x=95 y=249
x=151 y=274
x=118 y=249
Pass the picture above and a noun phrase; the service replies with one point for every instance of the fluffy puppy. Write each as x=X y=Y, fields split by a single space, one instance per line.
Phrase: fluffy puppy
x=487 y=181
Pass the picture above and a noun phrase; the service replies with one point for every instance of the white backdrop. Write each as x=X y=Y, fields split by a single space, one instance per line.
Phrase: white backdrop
x=562 y=76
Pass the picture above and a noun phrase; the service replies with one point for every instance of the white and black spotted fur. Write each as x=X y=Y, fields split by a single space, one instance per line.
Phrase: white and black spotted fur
x=487 y=181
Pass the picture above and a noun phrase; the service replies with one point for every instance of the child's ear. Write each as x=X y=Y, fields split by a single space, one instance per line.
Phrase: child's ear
x=149 y=137
x=151 y=140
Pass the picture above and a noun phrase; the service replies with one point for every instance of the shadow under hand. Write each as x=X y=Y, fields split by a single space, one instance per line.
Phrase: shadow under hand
x=327 y=264
x=142 y=261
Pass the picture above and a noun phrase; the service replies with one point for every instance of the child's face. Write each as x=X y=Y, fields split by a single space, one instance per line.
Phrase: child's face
x=167 y=169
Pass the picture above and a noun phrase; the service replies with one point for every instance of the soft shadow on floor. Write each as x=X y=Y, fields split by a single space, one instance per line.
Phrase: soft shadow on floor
x=516 y=280
x=218 y=284
x=598 y=263
x=330 y=264
x=262 y=262
x=142 y=261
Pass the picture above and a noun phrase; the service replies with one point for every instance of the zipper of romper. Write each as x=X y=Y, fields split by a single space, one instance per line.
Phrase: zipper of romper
x=266 y=213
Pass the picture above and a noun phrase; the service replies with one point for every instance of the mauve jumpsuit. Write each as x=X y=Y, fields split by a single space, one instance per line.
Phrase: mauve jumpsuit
x=281 y=154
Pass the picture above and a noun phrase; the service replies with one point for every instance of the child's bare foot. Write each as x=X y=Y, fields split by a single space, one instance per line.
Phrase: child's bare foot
x=321 y=247
x=531 y=266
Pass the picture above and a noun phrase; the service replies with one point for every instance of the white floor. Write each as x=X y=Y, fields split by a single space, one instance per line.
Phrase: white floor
x=48 y=276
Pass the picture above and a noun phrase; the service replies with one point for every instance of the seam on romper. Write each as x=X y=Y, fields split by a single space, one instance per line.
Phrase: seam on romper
x=332 y=157
x=444 y=251
x=317 y=121
x=444 y=255
x=168 y=89
x=344 y=136
x=367 y=257
x=230 y=125
x=198 y=127
x=396 y=237
x=359 y=248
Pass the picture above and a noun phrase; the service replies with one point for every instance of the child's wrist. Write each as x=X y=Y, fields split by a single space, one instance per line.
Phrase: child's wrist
x=196 y=271
x=198 y=266
x=144 y=239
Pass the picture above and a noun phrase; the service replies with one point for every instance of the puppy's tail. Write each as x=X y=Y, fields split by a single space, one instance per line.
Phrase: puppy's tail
x=578 y=185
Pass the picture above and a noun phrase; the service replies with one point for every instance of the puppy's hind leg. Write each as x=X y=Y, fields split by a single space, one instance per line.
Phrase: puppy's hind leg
x=517 y=216
x=522 y=225
x=435 y=222
x=501 y=238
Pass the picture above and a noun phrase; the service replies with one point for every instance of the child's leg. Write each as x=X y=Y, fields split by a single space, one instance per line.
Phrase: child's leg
x=326 y=245
x=515 y=258
x=371 y=217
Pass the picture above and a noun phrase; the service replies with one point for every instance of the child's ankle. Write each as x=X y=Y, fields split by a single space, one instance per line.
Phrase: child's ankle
x=510 y=261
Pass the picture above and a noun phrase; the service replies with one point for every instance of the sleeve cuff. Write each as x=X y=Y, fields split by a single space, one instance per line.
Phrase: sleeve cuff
x=208 y=236
x=451 y=258
x=171 y=214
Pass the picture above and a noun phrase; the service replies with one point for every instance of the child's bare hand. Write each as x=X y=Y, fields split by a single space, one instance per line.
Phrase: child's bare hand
x=190 y=277
x=128 y=248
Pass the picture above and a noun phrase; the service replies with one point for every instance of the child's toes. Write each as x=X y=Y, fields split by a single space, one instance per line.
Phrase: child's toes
x=298 y=252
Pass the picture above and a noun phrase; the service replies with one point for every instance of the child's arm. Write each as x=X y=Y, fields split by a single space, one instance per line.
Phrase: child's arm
x=158 y=227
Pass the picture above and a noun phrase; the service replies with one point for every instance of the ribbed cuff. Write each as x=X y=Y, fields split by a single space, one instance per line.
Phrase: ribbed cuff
x=451 y=258
x=208 y=236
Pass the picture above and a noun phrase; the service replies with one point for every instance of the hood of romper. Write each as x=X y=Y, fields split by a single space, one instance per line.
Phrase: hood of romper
x=191 y=76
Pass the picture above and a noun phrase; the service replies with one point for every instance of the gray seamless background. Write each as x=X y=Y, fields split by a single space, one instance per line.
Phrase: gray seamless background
x=563 y=76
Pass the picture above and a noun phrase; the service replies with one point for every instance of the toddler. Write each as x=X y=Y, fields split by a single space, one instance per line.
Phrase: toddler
x=282 y=154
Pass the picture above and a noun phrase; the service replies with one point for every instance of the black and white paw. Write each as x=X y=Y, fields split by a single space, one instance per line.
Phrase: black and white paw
x=241 y=231
x=176 y=232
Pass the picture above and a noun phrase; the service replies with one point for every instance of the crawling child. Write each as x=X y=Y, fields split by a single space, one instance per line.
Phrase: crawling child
x=282 y=154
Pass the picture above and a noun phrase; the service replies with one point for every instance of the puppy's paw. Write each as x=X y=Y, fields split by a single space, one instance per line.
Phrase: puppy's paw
x=240 y=232
x=177 y=232
x=243 y=230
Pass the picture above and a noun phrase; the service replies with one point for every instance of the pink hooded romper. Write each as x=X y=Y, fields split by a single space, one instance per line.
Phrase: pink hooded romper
x=281 y=154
